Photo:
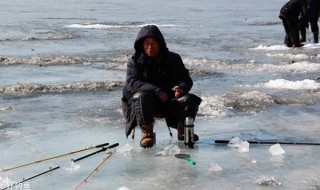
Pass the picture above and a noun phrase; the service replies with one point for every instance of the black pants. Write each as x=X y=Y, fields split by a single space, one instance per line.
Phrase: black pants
x=314 y=23
x=291 y=28
x=147 y=105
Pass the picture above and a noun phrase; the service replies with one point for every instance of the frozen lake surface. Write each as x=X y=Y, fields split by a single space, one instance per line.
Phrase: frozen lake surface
x=63 y=64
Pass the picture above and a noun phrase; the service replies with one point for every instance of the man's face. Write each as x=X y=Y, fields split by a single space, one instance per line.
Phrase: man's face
x=151 y=46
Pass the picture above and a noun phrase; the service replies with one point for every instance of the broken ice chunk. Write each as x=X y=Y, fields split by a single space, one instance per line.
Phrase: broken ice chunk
x=267 y=180
x=244 y=146
x=235 y=142
x=276 y=150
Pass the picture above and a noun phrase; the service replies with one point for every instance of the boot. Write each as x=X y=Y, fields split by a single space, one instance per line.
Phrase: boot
x=180 y=129
x=316 y=37
x=146 y=135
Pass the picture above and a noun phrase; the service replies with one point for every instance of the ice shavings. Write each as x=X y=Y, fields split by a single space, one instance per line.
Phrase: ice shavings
x=297 y=67
x=22 y=89
x=212 y=106
x=292 y=85
x=312 y=45
x=169 y=150
x=289 y=56
x=115 y=25
x=267 y=180
x=271 y=47
x=276 y=150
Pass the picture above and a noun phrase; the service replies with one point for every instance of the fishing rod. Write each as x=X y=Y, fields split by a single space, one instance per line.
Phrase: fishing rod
x=95 y=170
x=270 y=142
x=54 y=157
x=96 y=152
x=24 y=180
x=57 y=167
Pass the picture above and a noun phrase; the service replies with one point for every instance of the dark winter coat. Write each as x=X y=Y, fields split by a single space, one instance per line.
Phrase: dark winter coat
x=293 y=8
x=147 y=74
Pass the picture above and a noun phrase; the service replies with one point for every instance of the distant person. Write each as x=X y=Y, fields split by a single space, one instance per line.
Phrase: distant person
x=157 y=82
x=289 y=14
x=313 y=9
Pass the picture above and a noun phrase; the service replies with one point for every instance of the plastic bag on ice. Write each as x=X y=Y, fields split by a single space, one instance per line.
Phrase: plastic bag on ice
x=169 y=150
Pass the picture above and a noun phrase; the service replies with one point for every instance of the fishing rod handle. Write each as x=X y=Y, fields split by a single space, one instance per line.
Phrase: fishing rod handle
x=101 y=145
x=96 y=152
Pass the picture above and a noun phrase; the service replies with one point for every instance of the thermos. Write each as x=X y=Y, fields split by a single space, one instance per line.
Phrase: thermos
x=189 y=132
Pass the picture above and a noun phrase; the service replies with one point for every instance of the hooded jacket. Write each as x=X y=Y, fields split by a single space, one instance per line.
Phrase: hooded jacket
x=293 y=8
x=147 y=74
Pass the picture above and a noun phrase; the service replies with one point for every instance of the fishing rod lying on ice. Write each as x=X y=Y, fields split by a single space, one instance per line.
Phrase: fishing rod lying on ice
x=269 y=142
x=54 y=157
x=57 y=167
x=95 y=170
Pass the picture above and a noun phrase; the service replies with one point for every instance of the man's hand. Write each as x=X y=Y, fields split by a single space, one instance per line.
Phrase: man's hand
x=162 y=96
x=178 y=92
